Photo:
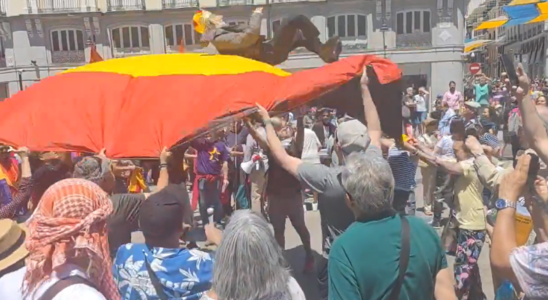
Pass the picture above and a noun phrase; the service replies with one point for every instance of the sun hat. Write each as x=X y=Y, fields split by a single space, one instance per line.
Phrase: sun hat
x=12 y=243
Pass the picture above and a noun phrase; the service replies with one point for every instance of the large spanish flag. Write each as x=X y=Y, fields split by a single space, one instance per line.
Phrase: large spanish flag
x=135 y=106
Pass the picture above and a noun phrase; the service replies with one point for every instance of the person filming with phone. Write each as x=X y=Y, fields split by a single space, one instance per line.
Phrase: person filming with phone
x=524 y=266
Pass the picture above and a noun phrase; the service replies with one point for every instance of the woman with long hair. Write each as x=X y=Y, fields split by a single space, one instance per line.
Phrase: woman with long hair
x=249 y=264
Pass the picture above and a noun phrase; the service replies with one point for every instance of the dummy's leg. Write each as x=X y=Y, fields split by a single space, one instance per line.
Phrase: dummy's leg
x=298 y=32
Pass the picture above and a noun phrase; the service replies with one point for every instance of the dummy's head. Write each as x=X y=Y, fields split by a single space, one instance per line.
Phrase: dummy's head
x=204 y=20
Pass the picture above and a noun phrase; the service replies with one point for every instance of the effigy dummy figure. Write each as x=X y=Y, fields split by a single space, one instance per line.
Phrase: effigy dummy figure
x=246 y=40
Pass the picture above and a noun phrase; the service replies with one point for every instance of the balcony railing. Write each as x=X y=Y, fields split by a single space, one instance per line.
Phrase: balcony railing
x=125 y=5
x=234 y=2
x=68 y=57
x=287 y=1
x=3 y=7
x=174 y=4
x=127 y=52
x=64 y=6
x=414 y=40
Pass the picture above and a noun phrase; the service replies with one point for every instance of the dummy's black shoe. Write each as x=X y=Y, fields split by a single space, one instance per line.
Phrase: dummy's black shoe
x=331 y=50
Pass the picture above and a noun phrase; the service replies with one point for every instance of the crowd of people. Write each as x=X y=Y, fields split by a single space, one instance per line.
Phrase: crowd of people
x=67 y=218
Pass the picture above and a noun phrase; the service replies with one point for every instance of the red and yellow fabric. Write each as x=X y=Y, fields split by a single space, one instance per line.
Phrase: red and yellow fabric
x=135 y=106
x=136 y=182
x=10 y=174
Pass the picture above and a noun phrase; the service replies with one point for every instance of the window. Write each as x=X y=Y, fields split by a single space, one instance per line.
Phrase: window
x=176 y=33
x=413 y=21
x=67 y=40
x=130 y=37
x=347 y=26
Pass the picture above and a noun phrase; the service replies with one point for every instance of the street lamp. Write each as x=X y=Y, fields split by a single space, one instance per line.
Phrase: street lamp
x=384 y=29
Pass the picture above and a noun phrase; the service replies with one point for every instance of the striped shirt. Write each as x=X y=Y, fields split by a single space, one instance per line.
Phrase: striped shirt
x=404 y=168
x=490 y=140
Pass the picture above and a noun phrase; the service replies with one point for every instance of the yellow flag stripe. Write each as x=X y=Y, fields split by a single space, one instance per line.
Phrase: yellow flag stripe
x=180 y=64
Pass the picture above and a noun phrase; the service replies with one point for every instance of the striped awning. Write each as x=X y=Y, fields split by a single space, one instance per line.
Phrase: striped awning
x=471 y=46
x=517 y=13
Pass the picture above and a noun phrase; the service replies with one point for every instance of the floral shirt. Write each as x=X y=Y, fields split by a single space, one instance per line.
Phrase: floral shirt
x=183 y=273
x=530 y=264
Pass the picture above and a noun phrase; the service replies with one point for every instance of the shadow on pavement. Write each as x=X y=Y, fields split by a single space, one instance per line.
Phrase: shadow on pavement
x=295 y=258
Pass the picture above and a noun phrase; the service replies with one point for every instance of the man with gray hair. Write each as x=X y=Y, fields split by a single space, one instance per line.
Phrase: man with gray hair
x=380 y=265
x=351 y=136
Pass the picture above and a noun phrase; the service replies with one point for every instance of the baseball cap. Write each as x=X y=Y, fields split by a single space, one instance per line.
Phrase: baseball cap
x=92 y=168
x=162 y=214
x=472 y=104
x=352 y=136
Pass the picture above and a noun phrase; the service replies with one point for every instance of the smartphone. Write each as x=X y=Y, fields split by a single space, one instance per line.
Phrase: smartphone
x=534 y=167
x=508 y=63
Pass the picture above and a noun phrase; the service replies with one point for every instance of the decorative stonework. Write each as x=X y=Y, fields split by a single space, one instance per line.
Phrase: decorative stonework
x=66 y=57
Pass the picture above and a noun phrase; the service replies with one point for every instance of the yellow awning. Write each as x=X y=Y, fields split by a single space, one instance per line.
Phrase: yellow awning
x=469 y=47
x=522 y=2
x=493 y=23
x=540 y=18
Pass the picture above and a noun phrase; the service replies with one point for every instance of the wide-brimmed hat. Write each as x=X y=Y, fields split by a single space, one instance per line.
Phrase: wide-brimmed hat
x=12 y=243
x=430 y=121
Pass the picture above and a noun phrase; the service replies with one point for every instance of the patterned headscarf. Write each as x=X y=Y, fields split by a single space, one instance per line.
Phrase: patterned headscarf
x=70 y=222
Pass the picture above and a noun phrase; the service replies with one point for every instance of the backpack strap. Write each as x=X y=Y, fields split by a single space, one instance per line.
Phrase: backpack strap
x=404 y=258
x=64 y=283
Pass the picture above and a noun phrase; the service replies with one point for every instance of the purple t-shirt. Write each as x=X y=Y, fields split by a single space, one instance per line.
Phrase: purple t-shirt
x=211 y=156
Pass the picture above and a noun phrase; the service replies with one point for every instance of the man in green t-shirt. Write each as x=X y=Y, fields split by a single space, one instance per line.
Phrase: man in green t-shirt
x=482 y=90
x=364 y=260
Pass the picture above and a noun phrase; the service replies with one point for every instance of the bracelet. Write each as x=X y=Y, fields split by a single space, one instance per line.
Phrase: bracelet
x=163 y=166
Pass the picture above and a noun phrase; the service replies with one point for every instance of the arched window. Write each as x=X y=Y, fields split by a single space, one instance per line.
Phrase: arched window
x=131 y=38
x=347 y=26
x=175 y=33
x=67 y=46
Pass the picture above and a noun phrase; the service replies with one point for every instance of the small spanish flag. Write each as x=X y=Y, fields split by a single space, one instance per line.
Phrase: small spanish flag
x=182 y=46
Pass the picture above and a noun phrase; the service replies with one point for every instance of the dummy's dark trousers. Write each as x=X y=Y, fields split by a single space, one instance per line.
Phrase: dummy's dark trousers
x=294 y=32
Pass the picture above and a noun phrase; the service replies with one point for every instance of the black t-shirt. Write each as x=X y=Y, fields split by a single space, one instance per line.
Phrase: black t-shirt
x=280 y=182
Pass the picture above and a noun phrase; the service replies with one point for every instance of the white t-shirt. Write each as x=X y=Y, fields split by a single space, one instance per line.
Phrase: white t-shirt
x=311 y=147
x=420 y=103
x=10 y=286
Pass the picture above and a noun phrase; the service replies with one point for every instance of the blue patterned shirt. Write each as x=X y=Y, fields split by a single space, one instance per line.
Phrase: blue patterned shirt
x=183 y=273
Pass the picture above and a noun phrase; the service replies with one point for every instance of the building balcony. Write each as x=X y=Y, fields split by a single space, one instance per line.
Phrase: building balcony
x=234 y=2
x=126 y=5
x=174 y=4
x=68 y=57
x=414 y=40
x=58 y=6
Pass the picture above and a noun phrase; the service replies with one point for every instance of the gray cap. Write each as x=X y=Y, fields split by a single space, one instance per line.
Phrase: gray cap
x=352 y=136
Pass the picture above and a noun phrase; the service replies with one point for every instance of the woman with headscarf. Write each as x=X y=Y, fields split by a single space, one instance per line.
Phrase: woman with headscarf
x=249 y=264
x=68 y=247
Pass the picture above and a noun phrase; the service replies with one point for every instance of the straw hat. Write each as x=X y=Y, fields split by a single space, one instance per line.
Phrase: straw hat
x=430 y=121
x=12 y=243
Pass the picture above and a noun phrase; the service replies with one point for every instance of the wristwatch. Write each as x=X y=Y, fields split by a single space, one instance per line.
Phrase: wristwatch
x=501 y=204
